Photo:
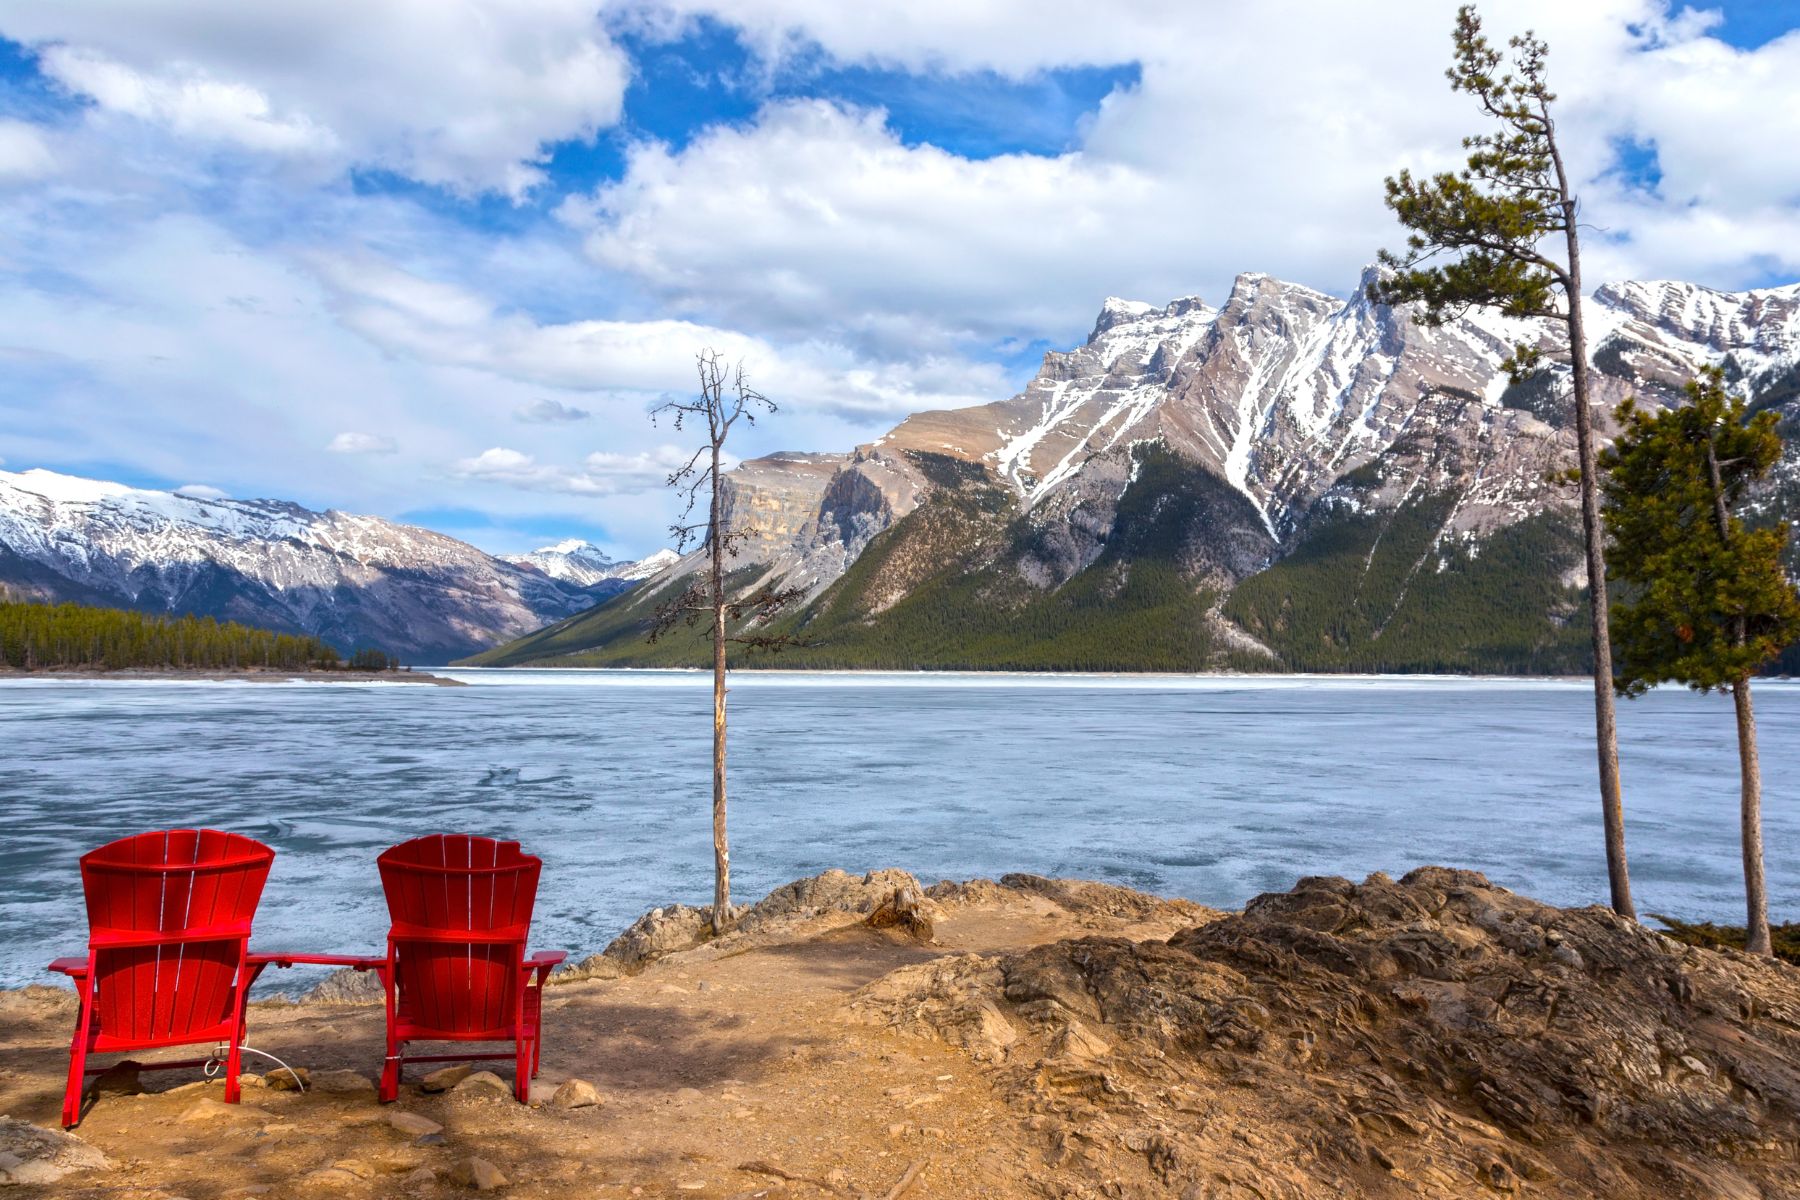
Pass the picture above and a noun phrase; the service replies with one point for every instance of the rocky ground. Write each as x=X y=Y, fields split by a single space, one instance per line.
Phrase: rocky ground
x=861 y=1037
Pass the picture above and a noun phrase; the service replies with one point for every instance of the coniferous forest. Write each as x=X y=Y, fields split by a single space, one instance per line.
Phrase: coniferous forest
x=36 y=637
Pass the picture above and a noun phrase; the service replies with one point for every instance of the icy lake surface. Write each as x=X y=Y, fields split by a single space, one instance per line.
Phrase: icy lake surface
x=1215 y=789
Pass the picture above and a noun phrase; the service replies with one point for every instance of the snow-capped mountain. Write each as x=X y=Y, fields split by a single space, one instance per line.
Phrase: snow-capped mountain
x=585 y=565
x=352 y=580
x=1288 y=431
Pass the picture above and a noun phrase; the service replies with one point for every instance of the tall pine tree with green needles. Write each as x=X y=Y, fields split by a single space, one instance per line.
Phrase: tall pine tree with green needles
x=1493 y=225
x=1708 y=603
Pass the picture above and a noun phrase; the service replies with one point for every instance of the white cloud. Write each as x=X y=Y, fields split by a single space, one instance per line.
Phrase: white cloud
x=601 y=473
x=1255 y=139
x=463 y=95
x=362 y=443
x=442 y=323
x=24 y=153
x=202 y=491
x=545 y=411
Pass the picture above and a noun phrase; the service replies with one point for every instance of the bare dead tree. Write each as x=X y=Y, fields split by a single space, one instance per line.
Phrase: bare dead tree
x=725 y=398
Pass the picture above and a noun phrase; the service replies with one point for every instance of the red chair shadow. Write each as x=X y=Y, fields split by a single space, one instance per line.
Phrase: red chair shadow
x=456 y=969
x=168 y=959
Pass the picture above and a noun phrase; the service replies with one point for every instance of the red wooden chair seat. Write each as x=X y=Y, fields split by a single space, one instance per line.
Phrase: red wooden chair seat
x=456 y=969
x=168 y=960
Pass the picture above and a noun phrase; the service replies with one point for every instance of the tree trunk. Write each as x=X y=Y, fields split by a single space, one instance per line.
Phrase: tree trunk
x=721 y=912
x=1606 y=722
x=1756 y=898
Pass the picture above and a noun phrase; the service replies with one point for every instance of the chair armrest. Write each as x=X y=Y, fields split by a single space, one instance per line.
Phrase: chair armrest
x=356 y=962
x=547 y=958
x=74 y=968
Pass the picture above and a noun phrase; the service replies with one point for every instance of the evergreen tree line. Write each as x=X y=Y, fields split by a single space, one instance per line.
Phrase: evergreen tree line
x=35 y=636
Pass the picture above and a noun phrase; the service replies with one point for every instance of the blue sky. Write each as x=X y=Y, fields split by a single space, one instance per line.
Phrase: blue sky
x=439 y=263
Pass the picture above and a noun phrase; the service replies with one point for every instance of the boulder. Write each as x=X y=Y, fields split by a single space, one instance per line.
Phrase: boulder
x=287 y=1079
x=658 y=933
x=905 y=910
x=347 y=986
x=1435 y=1033
x=33 y=1156
x=478 y=1173
x=483 y=1083
x=445 y=1078
x=576 y=1093
x=412 y=1124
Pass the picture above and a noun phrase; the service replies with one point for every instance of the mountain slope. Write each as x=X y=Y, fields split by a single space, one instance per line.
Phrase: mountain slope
x=1332 y=485
x=350 y=580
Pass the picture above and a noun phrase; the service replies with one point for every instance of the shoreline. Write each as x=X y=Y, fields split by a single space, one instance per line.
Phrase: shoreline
x=213 y=675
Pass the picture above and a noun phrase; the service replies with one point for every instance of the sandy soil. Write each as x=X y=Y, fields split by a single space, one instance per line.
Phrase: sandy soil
x=729 y=1071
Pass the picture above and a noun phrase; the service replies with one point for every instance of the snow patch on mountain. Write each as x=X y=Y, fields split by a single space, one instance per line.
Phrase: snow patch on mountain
x=353 y=580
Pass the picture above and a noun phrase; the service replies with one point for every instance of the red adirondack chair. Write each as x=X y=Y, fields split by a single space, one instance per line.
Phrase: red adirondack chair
x=168 y=960
x=456 y=969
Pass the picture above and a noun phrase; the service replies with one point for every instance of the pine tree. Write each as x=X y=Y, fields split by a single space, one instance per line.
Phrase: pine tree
x=1494 y=218
x=1709 y=603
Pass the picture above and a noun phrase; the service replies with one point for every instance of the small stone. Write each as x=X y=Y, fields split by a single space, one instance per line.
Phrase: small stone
x=690 y=1185
x=897 y=1130
x=341 y=1083
x=249 y=1079
x=424 y=1177
x=703 y=986
x=414 y=1124
x=353 y=1166
x=282 y=1079
x=688 y=1093
x=429 y=1139
x=478 y=1173
x=445 y=1078
x=576 y=1093
x=483 y=1083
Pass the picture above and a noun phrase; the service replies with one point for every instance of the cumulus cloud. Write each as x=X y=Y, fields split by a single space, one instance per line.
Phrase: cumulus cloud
x=546 y=411
x=464 y=95
x=1255 y=138
x=361 y=443
x=602 y=473
x=202 y=491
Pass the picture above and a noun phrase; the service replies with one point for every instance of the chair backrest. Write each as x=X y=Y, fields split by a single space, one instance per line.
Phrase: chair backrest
x=169 y=918
x=461 y=910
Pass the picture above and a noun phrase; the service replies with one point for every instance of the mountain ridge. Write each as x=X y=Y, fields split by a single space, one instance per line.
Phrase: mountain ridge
x=1308 y=423
x=351 y=580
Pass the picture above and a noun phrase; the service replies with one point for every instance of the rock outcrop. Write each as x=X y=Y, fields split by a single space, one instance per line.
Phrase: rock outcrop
x=1435 y=1036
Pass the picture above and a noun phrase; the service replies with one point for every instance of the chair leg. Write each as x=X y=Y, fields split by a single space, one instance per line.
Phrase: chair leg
x=234 y=1065
x=71 y=1112
x=522 y=1070
x=390 y=1071
x=78 y=1050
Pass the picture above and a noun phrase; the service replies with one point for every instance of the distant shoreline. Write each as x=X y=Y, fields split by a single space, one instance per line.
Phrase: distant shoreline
x=216 y=675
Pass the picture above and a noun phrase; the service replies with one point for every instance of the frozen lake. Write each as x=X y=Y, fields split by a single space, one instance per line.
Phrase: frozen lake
x=1214 y=788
